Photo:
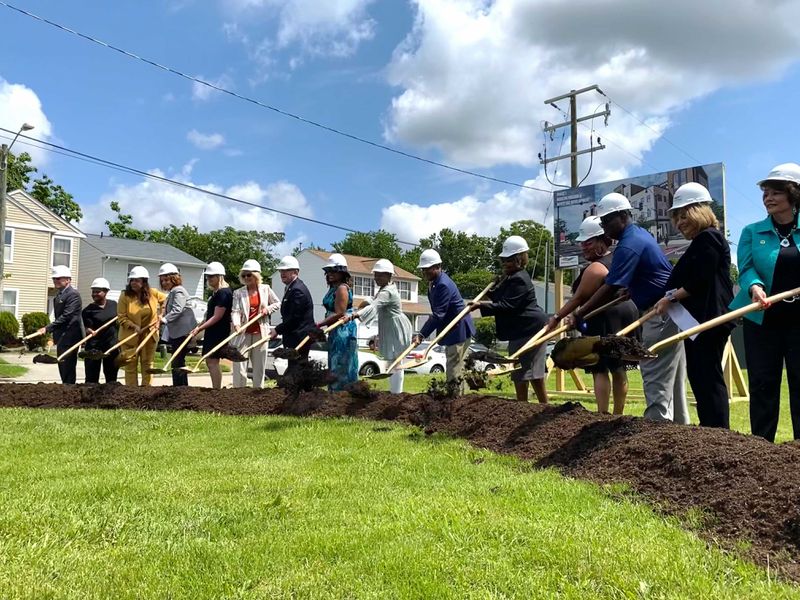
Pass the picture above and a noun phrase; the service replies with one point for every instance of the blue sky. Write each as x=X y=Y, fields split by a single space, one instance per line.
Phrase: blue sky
x=456 y=81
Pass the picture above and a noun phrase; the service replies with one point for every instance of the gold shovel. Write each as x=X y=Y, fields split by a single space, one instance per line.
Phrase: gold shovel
x=293 y=353
x=711 y=323
x=208 y=354
x=178 y=350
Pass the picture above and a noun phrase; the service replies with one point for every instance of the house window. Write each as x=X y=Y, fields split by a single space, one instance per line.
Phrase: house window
x=404 y=287
x=362 y=286
x=8 y=246
x=10 y=301
x=62 y=252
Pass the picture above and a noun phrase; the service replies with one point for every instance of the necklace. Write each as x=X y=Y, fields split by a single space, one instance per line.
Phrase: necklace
x=785 y=238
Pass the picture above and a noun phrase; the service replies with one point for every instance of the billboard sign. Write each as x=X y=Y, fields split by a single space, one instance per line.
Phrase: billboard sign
x=650 y=197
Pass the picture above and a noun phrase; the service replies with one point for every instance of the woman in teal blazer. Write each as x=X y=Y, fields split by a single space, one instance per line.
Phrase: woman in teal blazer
x=769 y=263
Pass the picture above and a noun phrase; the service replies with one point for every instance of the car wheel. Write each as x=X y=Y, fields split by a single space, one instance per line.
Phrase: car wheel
x=436 y=369
x=368 y=370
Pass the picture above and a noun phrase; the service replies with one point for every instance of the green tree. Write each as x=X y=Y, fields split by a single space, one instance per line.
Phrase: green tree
x=53 y=196
x=57 y=199
x=471 y=283
x=462 y=252
x=540 y=242
x=375 y=244
x=123 y=227
x=19 y=171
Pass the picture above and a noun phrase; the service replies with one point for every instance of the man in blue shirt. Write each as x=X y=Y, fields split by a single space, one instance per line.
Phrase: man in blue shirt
x=640 y=267
x=446 y=302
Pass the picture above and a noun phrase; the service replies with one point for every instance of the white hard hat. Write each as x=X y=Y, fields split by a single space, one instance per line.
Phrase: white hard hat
x=590 y=228
x=287 y=263
x=514 y=245
x=690 y=193
x=428 y=258
x=611 y=203
x=60 y=271
x=168 y=269
x=383 y=265
x=101 y=283
x=784 y=172
x=251 y=265
x=138 y=272
x=214 y=268
x=336 y=262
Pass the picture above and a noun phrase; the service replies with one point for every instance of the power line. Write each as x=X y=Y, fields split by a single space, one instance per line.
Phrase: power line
x=275 y=109
x=132 y=170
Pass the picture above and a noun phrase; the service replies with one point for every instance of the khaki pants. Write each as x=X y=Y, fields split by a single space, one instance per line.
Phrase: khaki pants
x=454 y=362
x=143 y=362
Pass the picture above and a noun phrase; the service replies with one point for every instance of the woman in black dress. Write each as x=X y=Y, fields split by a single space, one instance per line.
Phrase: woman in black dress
x=701 y=282
x=609 y=375
x=217 y=324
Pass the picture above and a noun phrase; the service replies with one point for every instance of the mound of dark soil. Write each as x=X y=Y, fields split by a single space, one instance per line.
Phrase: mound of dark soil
x=747 y=488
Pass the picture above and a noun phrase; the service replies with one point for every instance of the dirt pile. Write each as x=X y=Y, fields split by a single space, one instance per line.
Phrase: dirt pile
x=747 y=489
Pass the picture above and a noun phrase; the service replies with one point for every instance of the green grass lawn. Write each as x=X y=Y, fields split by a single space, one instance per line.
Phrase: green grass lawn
x=10 y=371
x=740 y=410
x=191 y=361
x=118 y=504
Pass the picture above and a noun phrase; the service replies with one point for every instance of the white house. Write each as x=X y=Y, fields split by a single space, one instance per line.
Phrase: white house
x=416 y=307
x=113 y=258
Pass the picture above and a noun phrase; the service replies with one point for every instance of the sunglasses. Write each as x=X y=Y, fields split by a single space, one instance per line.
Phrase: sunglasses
x=247 y=274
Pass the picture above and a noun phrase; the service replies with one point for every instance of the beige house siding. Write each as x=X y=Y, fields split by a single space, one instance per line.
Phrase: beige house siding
x=15 y=214
x=29 y=273
x=91 y=266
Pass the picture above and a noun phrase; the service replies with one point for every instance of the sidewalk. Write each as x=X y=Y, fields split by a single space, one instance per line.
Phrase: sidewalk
x=42 y=373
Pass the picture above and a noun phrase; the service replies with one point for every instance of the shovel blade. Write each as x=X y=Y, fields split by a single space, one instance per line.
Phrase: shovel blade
x=491 y=357
x=45 y=359
x=380 y=375
x=287 y=353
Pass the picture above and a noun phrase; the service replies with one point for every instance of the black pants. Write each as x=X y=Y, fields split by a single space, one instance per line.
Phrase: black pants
x=704 y=369
x=67 y=368
x=92 y=368
x=294 y=365
x=766 y=349
x=179 y=377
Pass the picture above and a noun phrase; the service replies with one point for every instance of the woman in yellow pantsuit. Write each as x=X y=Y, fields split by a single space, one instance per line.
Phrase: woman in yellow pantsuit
x=138 y=310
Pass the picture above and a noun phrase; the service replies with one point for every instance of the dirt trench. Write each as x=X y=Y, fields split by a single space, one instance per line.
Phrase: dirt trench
x=746 y=488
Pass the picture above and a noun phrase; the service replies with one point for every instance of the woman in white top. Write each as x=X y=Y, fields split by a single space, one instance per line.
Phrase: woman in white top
x=249 y=300
x=394 y=328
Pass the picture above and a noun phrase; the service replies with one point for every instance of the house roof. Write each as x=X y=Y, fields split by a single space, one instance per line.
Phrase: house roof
x=19 y=197
x=139 y=250
x=361 y=265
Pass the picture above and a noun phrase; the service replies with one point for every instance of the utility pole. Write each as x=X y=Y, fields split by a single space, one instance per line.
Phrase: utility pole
x=4 y=150
x=573 y=155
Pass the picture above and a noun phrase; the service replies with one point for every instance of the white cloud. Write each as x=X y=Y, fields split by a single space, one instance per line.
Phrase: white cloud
x=472 y=214
x=202 y=92
x=154 y=204
x=20 y=104
x=205 y=141
x=474 y=74
x=333 y=28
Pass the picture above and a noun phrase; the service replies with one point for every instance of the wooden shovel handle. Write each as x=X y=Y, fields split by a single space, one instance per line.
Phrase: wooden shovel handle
x=178 y=350
x=236 y=332
x=710 y=324
x=455 y=321
x=402 y=355
x=72 y=349
x=120 y=343
x=645 y=317
x=32 y=335
x=146 y=339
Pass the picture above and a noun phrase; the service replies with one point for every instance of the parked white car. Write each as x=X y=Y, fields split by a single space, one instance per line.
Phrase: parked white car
x=368 y=363
x=437 y=360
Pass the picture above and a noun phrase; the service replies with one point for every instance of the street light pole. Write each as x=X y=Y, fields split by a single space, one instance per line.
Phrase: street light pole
x=4 y=151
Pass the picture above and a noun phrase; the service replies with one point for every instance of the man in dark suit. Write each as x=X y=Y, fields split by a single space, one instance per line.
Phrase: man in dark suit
x=297 y=310
x=66 y=328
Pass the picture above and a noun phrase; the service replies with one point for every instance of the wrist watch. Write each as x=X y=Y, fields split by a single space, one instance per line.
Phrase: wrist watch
x=670 y=295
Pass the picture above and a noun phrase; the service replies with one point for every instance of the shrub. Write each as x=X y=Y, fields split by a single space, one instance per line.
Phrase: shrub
x=485 y=331
x=30 y=323
x=9 y=328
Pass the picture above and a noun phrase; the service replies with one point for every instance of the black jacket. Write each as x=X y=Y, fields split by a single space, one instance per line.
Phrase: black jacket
x=95 y=317
x=297 y=314
x=66 y=328
x=704 y=271
x=514 y=307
